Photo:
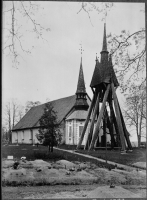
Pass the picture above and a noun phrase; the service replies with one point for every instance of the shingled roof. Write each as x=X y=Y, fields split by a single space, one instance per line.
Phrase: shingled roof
x=81 y=83
x=78 y=114
x=31 y=119
x=104 y=72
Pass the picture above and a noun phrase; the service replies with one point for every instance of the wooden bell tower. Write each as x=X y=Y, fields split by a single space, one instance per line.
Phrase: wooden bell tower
x=104 y=110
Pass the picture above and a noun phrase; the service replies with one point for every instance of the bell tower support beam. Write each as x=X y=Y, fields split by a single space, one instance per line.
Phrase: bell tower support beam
x=86 y=123
x=118 y=118
x=92 y=123
x=96 y=131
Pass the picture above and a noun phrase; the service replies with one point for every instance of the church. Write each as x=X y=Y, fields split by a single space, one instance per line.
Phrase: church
x=73 y=111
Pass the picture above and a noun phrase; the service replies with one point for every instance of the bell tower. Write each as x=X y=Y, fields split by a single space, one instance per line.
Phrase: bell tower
x=105 y=109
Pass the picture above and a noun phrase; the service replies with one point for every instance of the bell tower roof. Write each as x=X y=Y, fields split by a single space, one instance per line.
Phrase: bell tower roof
x=104 y=47
x=103 y=72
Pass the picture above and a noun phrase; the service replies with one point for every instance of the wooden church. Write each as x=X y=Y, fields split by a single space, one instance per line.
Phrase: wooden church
x=84 y=122
x=71 y=112
x=105 y=108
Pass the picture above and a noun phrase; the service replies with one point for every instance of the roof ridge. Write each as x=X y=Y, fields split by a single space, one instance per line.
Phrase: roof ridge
x=59 y=99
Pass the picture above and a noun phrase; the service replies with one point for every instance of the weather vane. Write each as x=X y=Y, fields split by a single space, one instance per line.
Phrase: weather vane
x=81 y=49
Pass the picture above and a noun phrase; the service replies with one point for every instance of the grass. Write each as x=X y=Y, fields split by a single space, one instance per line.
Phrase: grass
x=138 y=155
x=30 y=152
x=41 y=152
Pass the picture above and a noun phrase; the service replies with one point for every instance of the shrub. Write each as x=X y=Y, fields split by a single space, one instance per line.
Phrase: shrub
x=48 y=155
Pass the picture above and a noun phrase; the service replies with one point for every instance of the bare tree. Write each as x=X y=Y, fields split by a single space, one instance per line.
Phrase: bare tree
x=21 y=112
x=30 y=104
x=129 y=56
x=135 y=111
x=15 y=14
x=8 y=119
x=127 y=49
x=11 y=115
x=14 y=113
x=101 y=8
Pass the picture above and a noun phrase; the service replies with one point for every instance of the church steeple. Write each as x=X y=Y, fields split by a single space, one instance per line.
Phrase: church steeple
x=104 y=52
x=81 y=83
x=81 y=101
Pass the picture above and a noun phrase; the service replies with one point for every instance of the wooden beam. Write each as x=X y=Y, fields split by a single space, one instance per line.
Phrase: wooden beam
x=116 y=127
x=92 y=123
x=110 y=123
x=96 y=131
x=125 y=129
x=86 y=123
x=118 y=118
x=110 y=126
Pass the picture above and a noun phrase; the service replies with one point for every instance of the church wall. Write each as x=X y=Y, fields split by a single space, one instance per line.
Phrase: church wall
x=14 y=137
x=73 y=131
x=63 y=131
x=69 y=132
x=35 y=132
x=27 y=136
x=20 y=137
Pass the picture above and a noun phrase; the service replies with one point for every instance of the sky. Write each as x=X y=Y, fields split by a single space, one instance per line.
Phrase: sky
x=51 y=70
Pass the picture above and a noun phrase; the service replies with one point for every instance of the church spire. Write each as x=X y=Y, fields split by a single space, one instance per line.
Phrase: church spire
x=81 y=101
x=81 y=83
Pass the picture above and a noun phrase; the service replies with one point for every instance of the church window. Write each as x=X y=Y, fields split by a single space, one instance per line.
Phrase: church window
x=70 y=131
x=31 y=136
x=80 y=130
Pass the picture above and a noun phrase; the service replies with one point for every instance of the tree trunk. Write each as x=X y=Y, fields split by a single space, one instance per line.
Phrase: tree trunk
x=49 y=148
x=139 y=140
x=140 y=124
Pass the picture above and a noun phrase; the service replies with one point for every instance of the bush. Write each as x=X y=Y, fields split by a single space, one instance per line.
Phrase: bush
x=48 y=156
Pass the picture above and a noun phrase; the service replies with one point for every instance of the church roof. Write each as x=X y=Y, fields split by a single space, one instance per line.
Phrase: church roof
x=31 y=119
x=81 y=83
x=78 y=114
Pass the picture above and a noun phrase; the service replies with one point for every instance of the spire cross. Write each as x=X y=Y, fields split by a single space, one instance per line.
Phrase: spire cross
x=96 y=57
x=81 y=49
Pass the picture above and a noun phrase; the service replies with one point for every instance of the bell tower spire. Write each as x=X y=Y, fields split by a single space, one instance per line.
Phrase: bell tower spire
x=104 y=52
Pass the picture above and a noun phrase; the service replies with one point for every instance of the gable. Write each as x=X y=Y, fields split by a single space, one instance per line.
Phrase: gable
x=31 y=118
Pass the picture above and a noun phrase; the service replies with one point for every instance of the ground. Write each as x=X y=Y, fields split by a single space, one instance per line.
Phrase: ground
x=56 y=177
x=60 y=191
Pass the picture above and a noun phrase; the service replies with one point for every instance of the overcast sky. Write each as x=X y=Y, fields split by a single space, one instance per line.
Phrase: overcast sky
x=51 y=70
